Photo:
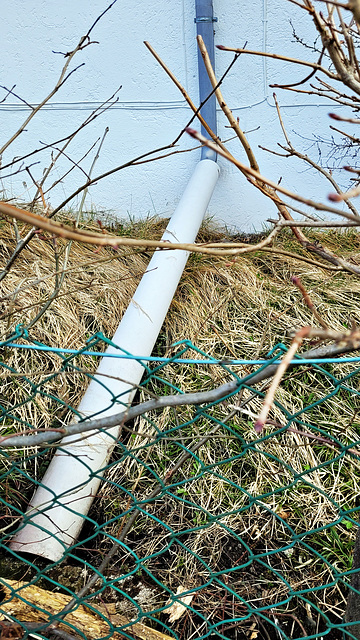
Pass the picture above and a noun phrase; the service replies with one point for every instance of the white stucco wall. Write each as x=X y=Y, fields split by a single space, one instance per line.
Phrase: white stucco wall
x=151 y=112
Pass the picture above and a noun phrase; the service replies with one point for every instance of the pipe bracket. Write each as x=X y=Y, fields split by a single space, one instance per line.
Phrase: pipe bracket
x=205 y=19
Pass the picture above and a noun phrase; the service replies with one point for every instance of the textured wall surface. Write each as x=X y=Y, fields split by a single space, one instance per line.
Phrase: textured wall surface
x=151 y=111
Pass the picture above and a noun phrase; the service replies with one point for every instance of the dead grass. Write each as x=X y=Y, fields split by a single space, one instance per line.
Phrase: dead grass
x=255 y=494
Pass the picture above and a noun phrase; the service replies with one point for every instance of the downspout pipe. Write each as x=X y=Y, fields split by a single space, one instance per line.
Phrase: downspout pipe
x=205 y=27
x=63 y=498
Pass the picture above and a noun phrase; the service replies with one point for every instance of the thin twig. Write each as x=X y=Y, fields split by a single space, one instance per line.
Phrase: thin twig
x=269 y=189
x=104 y=106
x=59 y=279
x=64 y=75
x=276 y=56
x=292 y=151
x=182 y=90
x=329 y=443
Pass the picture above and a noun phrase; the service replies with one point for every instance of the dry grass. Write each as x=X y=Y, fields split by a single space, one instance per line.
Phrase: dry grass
x=284 y=486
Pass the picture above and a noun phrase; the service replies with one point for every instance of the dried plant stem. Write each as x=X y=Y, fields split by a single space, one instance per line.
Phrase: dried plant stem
x=297 y=282
x=269 y=398
x=82 y=266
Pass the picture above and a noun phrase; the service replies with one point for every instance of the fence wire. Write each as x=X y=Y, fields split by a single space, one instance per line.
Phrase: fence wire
x=202 y=528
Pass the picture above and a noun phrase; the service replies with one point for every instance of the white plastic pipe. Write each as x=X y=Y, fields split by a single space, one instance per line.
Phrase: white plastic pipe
x=56 y=512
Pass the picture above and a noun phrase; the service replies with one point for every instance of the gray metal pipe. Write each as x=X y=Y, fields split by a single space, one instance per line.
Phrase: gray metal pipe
x=205 y=27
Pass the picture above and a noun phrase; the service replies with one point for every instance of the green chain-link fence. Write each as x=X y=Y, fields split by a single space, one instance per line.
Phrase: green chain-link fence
x=202 y=528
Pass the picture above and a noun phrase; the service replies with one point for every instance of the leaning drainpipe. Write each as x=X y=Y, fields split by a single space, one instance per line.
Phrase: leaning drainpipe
x=57 y=510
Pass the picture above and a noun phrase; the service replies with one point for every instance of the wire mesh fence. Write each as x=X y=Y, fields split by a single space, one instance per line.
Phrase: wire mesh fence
x=202 y=528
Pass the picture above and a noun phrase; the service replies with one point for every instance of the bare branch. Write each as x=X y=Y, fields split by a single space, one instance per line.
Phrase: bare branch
x=300 y=82
x=234 y=124
x=350 y=338
x=292 y=151
x=196 y=110
x=102 y=108
x=263 y=183
x=345 y=343
x=99 y=239
x=276 y=56
x=277 y=187
x=52 y=435
x=64 y=75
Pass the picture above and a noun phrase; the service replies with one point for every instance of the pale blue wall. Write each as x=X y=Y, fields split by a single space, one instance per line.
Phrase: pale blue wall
x=151 y=111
